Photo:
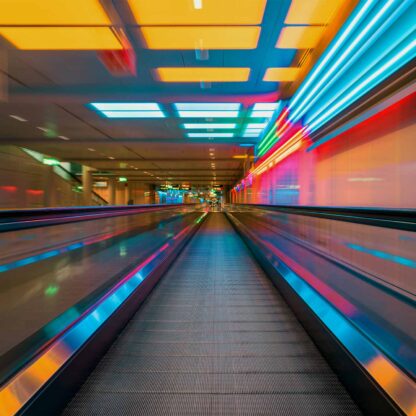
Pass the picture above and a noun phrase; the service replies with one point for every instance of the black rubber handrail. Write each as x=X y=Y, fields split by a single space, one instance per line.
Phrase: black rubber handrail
x=11 y=220
x=402 y=219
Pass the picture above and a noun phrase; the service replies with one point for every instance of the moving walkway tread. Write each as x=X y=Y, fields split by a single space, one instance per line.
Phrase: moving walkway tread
x=213 y=338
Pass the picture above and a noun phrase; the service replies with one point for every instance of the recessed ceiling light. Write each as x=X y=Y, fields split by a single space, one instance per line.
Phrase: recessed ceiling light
x=312 y=12
x=61 y=38
x=53 y=12
x=195 y=135
x=300 y=37
x=224 y=126
x=281 y=74
x=213 y=12
x=64 y=138
x=126 y=106
x=111 y=157
x=207 y=106
x=133 y=114
x=198 y=4
x=256 y=125
x=201 y=37
x=18 y=118
x=44 y=129
x=262 y=114
x=257 y=131
x=202 y=74
x=266 y=106
x=91 y=149
x=250 y=135
x=206 y=114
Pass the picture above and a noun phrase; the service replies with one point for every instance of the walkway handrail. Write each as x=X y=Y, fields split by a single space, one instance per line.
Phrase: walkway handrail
x=403 y=219
x=11 y=220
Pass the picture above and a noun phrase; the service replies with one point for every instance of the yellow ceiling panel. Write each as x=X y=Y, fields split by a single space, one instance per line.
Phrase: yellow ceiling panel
x=281 y=74
x=201 y=37
x=61 y=38
x=312 y=12
x=212 y=74
x=202 y=12
x=52 y=12
x=300 y=37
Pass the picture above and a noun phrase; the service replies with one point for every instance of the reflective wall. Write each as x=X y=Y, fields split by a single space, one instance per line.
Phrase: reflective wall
x=372 y=164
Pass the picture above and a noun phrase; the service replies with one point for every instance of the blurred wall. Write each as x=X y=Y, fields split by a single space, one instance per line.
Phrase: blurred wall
x=372 y=164
x=139 y=193
x=27 y=183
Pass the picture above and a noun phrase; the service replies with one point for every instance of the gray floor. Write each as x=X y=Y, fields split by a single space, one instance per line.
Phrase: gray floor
x=214 y=338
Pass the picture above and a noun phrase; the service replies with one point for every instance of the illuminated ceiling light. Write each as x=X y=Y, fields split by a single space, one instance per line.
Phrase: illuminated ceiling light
x=133 y=114
x=203 y=74
x=91 y=149
x=194 y=135
x=198 y=4
x=258 y=131
x=122 y=179
x=207 y=106
x=126 y=106
x=312 y=12
x=212 y=149
x=201 y=37
x=50 y=161
x=256 y=125
x=250 y=135
x=208 y=114
x=18 y=118
x=61 y=38
x=209 y=126
x=213 y=12
x=64 y=138
x=261 y=114
x=266 y=106
x=111 y=157
x=300 y=37
x=53 y=12
x=281 y=74
x=44 y=129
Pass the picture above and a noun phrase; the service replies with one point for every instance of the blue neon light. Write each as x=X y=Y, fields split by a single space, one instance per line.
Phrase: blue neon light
x=383 y=255
x=374 y=43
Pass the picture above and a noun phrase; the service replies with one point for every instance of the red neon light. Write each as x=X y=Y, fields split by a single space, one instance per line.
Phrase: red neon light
x=8 y=188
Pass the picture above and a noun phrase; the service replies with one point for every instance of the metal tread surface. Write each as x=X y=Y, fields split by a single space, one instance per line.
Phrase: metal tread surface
x=213 y=338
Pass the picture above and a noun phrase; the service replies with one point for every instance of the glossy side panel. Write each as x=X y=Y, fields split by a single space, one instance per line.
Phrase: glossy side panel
x=46 y=383
x=377 y=383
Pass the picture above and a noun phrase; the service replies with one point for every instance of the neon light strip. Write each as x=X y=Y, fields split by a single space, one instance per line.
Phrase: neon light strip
x=314 y=93
x=403 y=261
x=333 y=49
x=383 y=72
x=28 y=382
